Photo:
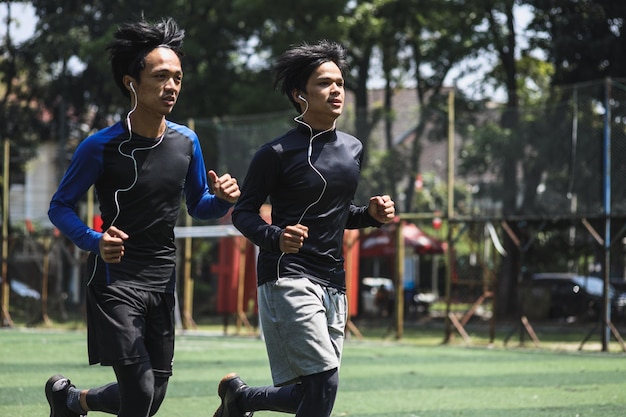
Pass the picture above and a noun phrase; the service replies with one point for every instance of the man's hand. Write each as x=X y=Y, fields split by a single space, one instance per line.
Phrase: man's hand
x=224 y=187
x=112 y=245
x=292 y=238
x=382 y=208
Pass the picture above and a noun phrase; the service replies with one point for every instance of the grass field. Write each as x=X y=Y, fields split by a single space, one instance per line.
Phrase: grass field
x=411 y=378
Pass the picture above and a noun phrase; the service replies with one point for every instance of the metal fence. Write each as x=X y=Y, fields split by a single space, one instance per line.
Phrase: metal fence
x=545 y=180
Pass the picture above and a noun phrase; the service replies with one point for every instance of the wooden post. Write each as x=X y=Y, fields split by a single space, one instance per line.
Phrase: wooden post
x=242 y=318
x=188 y=322
x=450 y=215
x=398 y=281
x=6 y=317
x=44 y=280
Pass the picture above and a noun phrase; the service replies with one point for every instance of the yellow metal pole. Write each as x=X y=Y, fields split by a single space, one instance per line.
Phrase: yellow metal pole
x=398 y=281
x=450 y=215
x=6 y=317
x=44 y=281
x=188 y=322
x=90 y=208
x=451 y=154
x=241 y=282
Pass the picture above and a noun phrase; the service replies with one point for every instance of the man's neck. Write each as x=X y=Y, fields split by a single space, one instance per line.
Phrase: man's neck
x=320 y=125
x=148 y=127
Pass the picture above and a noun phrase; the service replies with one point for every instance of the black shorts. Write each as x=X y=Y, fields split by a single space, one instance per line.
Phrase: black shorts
x=128 y=325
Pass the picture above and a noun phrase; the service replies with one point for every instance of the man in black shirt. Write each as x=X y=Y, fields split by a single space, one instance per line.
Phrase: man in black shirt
x=310 y=175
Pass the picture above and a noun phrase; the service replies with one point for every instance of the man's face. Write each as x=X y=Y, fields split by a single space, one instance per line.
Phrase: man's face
x=161 y=81
x=325 y=96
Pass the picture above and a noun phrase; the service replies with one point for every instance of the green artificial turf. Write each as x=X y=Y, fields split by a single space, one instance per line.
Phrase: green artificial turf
x=378 y=377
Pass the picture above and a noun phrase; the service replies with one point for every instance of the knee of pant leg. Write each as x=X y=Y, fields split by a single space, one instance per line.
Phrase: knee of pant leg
x=160 y=388
x=321 y=385
x=136 y=388
x=146 y=387
x=319 y=393
x=332 y=380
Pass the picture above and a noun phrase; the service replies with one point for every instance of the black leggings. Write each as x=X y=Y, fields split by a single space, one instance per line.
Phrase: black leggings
x=137 y=392
x=314 y=397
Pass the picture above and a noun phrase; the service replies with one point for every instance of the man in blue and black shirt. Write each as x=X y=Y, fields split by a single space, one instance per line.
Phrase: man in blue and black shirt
x=141 y=168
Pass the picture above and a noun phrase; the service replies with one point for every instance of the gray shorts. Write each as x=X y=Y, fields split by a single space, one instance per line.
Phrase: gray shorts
x=303 y=325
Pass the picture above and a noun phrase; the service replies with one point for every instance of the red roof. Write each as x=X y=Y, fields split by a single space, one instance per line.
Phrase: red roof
x=381 y=242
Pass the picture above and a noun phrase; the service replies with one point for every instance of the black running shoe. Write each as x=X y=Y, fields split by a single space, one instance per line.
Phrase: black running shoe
x=230 y=387
x=56 y=393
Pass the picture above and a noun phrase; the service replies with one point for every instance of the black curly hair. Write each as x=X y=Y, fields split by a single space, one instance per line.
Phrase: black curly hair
x=134 y=40
x=294 y=67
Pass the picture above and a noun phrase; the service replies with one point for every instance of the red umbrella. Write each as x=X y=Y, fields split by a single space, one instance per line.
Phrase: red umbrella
x=381 y=242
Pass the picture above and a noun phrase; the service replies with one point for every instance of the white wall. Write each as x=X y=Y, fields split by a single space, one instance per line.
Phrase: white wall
x=31 y=199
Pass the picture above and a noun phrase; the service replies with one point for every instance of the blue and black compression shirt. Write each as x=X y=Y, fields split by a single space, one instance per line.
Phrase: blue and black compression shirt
x=139 y=184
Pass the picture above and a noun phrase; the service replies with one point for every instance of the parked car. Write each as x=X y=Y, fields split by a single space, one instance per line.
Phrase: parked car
x=619 y=301
x=572 y=296
x=378 y=299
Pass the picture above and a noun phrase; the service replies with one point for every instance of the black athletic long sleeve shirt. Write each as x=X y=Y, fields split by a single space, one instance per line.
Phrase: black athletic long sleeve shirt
x=316 y=192
x=139 y=183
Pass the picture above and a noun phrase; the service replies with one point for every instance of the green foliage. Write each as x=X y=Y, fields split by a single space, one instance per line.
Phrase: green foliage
x=584 y=40
x=433 y=195
x=374 y=174
x=476 y=155
x=229 y=50
x=230 y=45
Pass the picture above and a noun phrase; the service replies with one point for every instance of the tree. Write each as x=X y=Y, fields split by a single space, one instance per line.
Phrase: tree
x=22 y=120
x=584 y=40
x=439 y=36
x=500 y=38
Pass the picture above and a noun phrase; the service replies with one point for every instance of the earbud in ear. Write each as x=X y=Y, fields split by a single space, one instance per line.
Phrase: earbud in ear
x=301 y=98
x=131 y=86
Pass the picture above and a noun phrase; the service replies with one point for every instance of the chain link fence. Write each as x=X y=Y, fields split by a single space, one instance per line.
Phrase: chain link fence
x=535 y=188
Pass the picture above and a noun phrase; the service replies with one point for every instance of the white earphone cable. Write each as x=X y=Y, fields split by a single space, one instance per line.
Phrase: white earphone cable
x=299 y=119
x=136 y=170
